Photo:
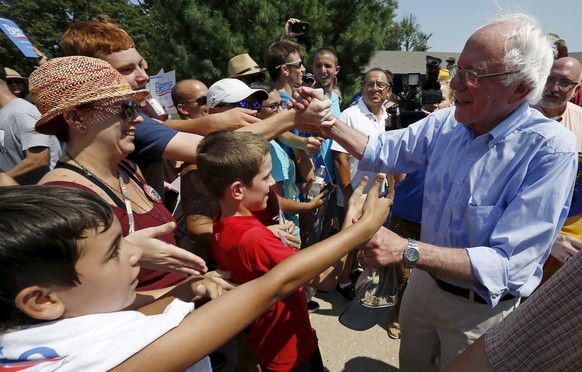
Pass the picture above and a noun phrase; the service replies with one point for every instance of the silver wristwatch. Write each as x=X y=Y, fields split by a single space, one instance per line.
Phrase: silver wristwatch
x=411 y=254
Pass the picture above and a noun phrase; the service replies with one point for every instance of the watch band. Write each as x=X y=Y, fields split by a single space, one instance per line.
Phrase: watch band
x=411 y=254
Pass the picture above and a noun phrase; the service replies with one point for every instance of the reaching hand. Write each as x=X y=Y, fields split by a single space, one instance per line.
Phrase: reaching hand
x=565 y=247
x=215 y=284
x=237 y=118
x=159 y=255
x=311 y=145
x=313 y=110
x=379 y=251
x=285 y=232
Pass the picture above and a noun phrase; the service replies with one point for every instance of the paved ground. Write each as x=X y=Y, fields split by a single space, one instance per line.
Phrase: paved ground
x=342 y=349
x=345 y=350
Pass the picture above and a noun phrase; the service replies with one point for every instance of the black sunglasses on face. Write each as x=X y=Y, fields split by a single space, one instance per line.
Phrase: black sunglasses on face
x=200 y=101
x=128 y=109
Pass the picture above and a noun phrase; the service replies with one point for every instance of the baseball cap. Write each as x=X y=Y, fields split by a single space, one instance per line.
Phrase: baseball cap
x=376 y=296
x=231 y=91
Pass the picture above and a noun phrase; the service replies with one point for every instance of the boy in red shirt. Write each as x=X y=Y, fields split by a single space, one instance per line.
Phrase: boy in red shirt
x=236 y=168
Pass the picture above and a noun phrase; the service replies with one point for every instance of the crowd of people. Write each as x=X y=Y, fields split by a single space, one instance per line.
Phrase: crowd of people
x=116 y=218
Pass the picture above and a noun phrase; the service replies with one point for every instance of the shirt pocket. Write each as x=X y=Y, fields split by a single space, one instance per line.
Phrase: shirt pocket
x=481 y=220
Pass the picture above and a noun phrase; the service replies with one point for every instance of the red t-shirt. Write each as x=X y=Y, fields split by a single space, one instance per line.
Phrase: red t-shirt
x=282 y=338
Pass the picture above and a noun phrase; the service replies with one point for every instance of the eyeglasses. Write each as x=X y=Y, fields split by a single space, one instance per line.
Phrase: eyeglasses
x=253 y=105
x=200 y=101
x=564 y=84
x=296 y=64
x=128 y=109
x=377 y=84
x=470 y=78
x=274 y=106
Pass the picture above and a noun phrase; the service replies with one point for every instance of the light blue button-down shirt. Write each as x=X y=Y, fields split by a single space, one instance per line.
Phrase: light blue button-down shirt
x=503 y=195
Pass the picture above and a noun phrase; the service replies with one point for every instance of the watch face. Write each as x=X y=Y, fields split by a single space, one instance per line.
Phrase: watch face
x=412 y=254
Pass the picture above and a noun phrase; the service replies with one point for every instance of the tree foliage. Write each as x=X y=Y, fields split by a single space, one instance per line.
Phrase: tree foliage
x=43 y=22
x=199 y=40
x=406 y=35
x=198 y=37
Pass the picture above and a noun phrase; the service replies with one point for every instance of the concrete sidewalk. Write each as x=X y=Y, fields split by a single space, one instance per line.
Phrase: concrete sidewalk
x=345 y=350
x=342 y=349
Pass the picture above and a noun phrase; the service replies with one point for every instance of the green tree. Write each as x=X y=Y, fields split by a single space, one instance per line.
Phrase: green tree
x=43 y=22
x=199 y=40
x=406 y=35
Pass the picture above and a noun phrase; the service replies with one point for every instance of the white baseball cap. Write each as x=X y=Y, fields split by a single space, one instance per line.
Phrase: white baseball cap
x=231 y=91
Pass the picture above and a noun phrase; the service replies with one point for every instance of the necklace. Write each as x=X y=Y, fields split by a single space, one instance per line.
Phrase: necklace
x=159 y=216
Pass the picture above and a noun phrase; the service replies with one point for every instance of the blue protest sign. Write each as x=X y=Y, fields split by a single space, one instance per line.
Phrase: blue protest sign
x=17 y=36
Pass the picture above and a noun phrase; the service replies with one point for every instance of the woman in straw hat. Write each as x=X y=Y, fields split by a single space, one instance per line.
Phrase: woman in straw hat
x=90 y=107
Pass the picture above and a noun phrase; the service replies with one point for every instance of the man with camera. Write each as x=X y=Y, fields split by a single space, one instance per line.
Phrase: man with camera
x=499 y=177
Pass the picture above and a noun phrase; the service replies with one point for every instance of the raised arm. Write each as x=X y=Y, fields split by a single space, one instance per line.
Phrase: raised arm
x=222 y=318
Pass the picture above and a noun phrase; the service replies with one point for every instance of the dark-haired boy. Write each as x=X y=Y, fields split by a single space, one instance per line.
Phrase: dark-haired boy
x=68 y=278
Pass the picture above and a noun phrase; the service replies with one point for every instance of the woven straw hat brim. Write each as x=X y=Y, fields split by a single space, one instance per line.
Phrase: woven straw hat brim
x=68 y=82
x=48 y=125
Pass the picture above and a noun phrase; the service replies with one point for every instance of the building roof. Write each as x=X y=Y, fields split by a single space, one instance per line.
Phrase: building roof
x=399 y=62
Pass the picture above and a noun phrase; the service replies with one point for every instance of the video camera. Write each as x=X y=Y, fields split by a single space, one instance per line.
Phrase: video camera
x=411 y=103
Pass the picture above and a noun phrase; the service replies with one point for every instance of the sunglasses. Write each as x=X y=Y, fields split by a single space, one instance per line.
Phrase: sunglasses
x=296 y=64
x=13 y=81
x=128 y=109
x=253 y=105
x=200 y=101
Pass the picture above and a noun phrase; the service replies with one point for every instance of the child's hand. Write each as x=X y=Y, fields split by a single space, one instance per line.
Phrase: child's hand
x=376 y=207
x=215 y=284
x=318 y=201
x=355 y=203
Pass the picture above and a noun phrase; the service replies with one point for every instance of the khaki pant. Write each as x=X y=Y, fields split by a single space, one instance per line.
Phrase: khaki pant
x=437 y=326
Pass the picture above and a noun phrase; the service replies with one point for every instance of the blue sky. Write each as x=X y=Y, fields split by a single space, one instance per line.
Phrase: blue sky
x=451 y=22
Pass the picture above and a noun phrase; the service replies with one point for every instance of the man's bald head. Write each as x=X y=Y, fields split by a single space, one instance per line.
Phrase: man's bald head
x=189 y=97
x=563 y=81
x=572 y=65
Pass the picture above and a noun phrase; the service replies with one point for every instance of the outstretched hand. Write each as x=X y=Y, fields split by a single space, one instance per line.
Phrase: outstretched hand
x=159 y=255
x=215 y=284
x=236 y=118
x=565 y=247
x=373 y=211
x=313 y=110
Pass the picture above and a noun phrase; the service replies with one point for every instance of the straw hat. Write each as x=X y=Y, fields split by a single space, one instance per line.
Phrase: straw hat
x=64 y=83
x=13 y=74
x=243 y=65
